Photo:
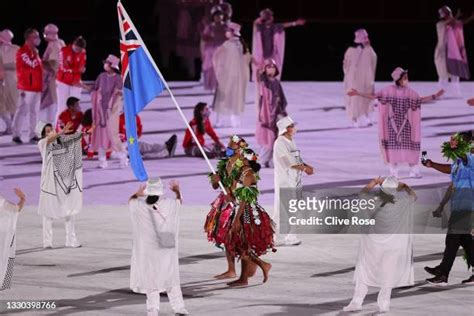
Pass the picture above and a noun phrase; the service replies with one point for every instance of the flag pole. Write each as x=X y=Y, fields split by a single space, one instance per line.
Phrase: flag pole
x=119 y=4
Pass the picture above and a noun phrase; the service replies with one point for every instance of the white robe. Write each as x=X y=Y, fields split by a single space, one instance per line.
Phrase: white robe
x=285 y=155
x=8 y=218
x=53 y=201
x=233 y=73
x=386 y=260
x=154 y=267
x=440 y=52
x=359 y=73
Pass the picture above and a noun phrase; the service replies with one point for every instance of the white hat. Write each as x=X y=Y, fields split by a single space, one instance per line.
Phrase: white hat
x=154 y=186
x=283 y=123
x=51 y=31
x=390 y=185
x=397 y=73
x=113 y=61
x=40 y=126
x=361 y=36
x=235 y=28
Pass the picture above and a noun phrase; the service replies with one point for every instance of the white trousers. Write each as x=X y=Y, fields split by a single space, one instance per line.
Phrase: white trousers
x=65 y=91
x=48 y=114
x=28 y=105
x=175 y=297
x=383 y=299
x=48 y=230
x=452 y=89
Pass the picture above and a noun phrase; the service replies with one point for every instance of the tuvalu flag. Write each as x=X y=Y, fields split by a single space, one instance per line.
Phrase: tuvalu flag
x=142 y=83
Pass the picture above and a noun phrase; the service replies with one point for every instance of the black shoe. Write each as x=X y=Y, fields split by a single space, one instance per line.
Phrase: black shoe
x=34 y=140
x=17 y=140
x=433 y=271
x=469 y=281
x=171 y=145
x=441 y=280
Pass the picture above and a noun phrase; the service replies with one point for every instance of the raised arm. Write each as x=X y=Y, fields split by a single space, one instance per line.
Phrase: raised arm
x=432 y=97
x=22 y=197
x=354 y=92
x=294 y=23
x=174 y=186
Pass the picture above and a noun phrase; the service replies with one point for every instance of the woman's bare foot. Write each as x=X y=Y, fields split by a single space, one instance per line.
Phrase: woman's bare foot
x=239 y=282
x=266 y=270
x=226 y=275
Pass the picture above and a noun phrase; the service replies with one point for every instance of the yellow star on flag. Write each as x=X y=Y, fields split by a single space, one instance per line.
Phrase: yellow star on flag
x=131 y=140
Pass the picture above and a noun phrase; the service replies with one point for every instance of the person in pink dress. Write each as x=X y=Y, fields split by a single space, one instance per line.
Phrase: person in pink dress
x=213 y=36
x=107 y=87
x=271 y=107
x=269 y=40
x=399 y=122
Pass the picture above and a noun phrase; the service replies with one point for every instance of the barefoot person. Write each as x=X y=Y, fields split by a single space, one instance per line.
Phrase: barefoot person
x=219 y=218
x=460 y=225
x=399 y=122
x=8 y=218
x=61 y=180
x=251 y=233
x=154 y=265
x=289 y=169
x=386 y=251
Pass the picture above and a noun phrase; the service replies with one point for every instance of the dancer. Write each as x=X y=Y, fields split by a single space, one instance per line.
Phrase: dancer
x=219 y=218
x=385 y=257
x=399 y=122
x=251 y=233
x=8 y=218
x=360 y=62
x=201 y=126
x=271 y=107
x=8 y=80
x=29 y=72
x=231 y=64
x=61 y=180
x=107 y=87
x=289 y=169
x=213 y=36
x=268 y=40
x=72 y=114
x=450 y=54
x=72 y=64
x=154 y=264
x=460 y=225
x=51 y=60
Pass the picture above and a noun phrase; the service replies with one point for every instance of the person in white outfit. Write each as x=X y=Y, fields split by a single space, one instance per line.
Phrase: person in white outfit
x=61 y=180
x=385 y=256
x=8 y=218
x=288 y=169
x=360 y=63
x=154 y=264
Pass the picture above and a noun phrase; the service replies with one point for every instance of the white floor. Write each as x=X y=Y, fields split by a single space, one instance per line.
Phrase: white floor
x=312 y=279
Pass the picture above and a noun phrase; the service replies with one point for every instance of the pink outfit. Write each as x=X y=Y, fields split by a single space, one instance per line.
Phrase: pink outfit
x=258 y=50
x=103 y=98
x=399 y=124
x=213 y=37
x=456 y=59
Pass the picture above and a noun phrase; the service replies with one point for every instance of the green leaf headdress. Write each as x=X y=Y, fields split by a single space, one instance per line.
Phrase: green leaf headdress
x=456 y=147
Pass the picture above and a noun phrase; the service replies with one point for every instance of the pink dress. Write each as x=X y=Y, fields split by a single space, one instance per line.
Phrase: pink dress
x=399 y=124
x=105 y=89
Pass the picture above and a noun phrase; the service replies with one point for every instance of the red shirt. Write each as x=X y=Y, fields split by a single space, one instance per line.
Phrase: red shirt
x=29 y=69
x=71 y=66
x=122 y=130
x=66 y=117
x=188 y=140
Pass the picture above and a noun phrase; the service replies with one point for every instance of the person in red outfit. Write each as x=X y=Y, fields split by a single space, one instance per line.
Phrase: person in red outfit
x=29 y=71
x=72 y=64
x=201 y=126
x=72 y=114
x=149 y=150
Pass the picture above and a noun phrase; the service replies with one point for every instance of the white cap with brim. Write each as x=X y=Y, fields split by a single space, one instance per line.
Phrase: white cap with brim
x=154 y=186
x=390 y=185
x=283 y=123
x=39 y=127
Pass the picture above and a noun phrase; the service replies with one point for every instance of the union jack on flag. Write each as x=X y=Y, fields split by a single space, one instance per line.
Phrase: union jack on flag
x=142 y=82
